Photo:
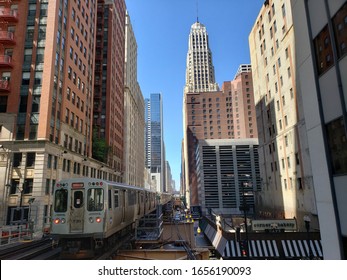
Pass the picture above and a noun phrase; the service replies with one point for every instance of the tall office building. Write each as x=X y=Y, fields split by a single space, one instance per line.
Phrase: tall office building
x=321 y=71
x=134 y=114
x=200 y=77
x=154 y=139
x=46 y=100
x=284 y=152
x=199 y=69
x=108 y=110
x=168 y=177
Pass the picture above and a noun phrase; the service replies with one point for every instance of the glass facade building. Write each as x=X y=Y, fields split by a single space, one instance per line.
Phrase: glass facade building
x=154 y=133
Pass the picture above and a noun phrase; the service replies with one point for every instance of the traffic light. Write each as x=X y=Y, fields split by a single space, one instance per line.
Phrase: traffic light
x=243 y=246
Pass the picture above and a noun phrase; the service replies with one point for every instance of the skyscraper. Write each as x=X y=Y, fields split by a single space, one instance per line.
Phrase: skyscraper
x=154 y=139
x=134 y=107
x=199 y=70
x=108 y=113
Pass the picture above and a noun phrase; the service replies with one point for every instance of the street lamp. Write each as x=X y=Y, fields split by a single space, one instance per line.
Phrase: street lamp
x=307 y=221
x=245 y=207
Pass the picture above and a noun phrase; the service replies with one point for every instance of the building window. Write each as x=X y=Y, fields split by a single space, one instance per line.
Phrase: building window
x=323 y=50
x=299 y=183
x=3 y=104
x=337 y=145
x=25 y=78
x=14 y=186
x=49 y=161
x=30 y=159
x=283 y=10
x=33 y=131
x=17 y=159
x=297 y=159
x=28 y=186
x=340 y=30
x=20 y=132
x=48 y=185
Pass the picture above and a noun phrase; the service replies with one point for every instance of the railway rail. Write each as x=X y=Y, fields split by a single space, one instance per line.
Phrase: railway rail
x=43 y=249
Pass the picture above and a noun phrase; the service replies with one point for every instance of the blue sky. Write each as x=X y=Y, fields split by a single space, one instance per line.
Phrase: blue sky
x=161 y=29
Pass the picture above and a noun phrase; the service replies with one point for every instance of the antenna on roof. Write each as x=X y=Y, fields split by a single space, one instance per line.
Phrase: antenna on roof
x=197 y=10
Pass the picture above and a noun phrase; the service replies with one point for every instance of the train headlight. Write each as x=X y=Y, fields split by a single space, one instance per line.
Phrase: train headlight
x=98 y=220
x=57 y=221
x=91 y=220
x=63 y=221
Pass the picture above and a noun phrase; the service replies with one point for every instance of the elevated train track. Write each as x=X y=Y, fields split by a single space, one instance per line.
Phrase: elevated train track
x=42 y=249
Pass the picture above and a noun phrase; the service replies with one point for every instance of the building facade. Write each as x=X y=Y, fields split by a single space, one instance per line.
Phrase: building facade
x=108 y=109
x=244 y=123
x=154 y=139
x=321 y=67
x=227 y=170
x=168 y=177
x=134 y=113
x=284 y=154
x=46 y=98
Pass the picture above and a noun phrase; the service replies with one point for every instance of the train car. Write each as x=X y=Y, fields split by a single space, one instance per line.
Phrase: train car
x=90 y=215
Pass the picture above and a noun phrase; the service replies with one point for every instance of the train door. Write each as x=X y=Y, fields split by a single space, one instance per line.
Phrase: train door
x=139 y=204
x=146 y=208
x=77 y=211
x=123 y=205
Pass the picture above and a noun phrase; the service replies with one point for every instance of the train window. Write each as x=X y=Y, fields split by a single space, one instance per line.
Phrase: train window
x=60 y=202
x=95 y=199
x=109 y=199
x=131 y=198
x=116 y=199
x=78 y=199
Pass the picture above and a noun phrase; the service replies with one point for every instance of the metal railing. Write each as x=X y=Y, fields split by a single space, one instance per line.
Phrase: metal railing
x=13 y=234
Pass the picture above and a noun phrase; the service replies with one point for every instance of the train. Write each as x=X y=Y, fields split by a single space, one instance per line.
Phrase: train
x=90 y=215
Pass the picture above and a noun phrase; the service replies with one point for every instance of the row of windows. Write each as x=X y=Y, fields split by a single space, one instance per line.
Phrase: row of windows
x=231 y=134
x=18 y=160
x=323 y=45
x=74 y=145
x=288 y=185
x=27 y=187
x=271 y=13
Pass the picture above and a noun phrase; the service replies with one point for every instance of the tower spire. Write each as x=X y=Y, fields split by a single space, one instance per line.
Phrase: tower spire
x=197 y=10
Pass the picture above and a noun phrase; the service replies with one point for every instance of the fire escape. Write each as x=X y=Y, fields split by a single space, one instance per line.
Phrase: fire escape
x=8 y=17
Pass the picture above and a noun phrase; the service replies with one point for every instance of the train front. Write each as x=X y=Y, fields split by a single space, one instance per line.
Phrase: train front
x=78 y=216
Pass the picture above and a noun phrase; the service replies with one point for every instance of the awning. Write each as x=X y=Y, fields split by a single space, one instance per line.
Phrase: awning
x=257 y=249
x=210 y=232
x=216 y=238
x=300 y=249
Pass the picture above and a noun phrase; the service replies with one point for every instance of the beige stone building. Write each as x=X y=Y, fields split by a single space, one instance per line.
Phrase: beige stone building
x=284 y=155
